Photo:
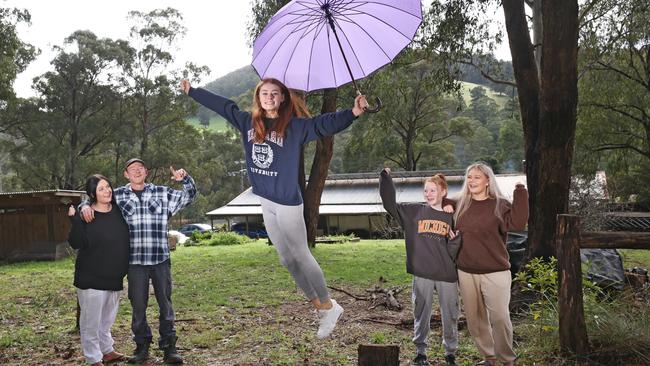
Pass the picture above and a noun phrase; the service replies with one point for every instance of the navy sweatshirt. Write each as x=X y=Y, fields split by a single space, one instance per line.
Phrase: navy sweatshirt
x=429 y=252
x=274 y=164
x=103 y=256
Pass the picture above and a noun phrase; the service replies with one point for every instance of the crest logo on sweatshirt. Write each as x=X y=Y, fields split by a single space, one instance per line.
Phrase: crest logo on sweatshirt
x=262 y=155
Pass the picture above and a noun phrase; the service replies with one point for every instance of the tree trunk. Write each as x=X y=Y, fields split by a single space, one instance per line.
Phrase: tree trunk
x=558 y=103
x=537 y=32
x=318 y=172
x=526 y=74
x=548 y=109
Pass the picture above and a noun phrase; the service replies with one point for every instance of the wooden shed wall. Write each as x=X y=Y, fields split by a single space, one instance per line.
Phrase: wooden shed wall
x=34 y=228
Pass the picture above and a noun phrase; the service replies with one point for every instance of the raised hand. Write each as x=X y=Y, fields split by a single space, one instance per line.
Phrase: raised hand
x=177 y=175
x=360 y=105
x=185 y=86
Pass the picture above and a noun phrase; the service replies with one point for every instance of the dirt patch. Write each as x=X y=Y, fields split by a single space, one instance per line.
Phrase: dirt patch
x=278 y=335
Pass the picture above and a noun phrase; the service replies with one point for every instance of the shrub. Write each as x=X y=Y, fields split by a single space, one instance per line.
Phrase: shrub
x=198 y=236
x=226 y=238
x=540 y=277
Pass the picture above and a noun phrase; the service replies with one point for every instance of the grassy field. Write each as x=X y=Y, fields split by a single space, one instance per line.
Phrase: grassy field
x=217 y=123
x=236 y=305
x=466 y=87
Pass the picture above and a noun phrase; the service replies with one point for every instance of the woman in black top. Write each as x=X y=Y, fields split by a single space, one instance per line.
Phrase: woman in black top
x=102 y=262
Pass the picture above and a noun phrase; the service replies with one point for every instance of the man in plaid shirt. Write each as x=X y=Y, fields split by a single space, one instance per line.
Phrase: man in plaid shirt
x=147 y=209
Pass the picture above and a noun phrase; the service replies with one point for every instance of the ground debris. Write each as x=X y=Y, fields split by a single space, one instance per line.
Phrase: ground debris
x=378 y=296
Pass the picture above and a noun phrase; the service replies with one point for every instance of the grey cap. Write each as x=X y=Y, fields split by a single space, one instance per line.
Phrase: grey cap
x=133 y=160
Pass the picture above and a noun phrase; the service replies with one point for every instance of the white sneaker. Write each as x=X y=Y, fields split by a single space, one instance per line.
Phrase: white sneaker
x=328 y=319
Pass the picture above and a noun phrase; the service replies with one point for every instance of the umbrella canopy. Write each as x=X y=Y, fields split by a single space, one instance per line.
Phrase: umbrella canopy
x=316 y=44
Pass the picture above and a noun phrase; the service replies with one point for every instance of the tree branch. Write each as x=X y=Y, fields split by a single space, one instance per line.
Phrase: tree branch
x=619 y=111
x=485 y=75
x=605 y=147
x=620 y=72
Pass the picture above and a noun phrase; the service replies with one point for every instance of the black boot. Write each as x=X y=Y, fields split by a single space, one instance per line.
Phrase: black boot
x=140 y=354
x=171 y=355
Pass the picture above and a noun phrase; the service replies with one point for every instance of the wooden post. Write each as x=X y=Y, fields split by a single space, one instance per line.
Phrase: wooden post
x=378 y=355
x=573 y=331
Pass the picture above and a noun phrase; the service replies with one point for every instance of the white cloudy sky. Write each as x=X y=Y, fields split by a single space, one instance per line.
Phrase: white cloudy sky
x=216 y=30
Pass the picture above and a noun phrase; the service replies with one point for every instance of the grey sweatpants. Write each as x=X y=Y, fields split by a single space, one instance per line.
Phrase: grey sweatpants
x=286 y=228
x=423 y=289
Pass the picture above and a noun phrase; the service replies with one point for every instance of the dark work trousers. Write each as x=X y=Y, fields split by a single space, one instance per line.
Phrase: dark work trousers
x=161 y=279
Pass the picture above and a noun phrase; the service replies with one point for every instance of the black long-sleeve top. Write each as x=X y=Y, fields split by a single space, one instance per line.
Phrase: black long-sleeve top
x=103 y=256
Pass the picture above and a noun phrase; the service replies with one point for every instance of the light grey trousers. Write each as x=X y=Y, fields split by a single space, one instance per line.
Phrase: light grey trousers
x=423 y=290
x=98 y=312
x=286 y=228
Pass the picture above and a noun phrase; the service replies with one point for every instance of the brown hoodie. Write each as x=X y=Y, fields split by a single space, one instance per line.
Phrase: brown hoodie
x=484 y=234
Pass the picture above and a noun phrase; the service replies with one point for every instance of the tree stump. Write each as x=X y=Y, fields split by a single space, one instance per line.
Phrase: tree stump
x=378 y=355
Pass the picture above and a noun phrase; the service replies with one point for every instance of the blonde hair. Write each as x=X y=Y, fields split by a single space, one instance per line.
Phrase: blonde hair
x=464 y=198
x=439 y=180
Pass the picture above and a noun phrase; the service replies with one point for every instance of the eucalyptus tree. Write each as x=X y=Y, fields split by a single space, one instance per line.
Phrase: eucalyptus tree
x=150 y=80
x=215 y=163
x=75 y=112
x=614 y=114
x=415 y=131
x=15 y=54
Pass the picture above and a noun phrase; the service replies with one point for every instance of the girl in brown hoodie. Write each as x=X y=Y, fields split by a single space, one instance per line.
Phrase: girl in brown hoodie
x=483 y=217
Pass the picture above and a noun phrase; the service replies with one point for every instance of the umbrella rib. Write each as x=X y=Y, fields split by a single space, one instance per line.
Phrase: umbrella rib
x=299 y=26
x=354 y=52
x=277 y=50
x=305 y=32
x=356 y=4
x=347 y=16
x=314 y=15
x=322 y=24
x=329 y=46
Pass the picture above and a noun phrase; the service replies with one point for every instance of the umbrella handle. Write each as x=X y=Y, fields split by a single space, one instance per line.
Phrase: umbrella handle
x=376 y=109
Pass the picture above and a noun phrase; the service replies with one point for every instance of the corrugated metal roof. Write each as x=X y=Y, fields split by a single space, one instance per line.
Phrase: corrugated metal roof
x=357 y=194
x=57 y=192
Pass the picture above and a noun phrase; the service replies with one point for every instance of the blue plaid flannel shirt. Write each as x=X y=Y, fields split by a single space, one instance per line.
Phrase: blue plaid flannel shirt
x=147 y=218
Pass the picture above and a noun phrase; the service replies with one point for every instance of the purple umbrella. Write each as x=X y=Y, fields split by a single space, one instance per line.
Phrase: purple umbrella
x=316 y=44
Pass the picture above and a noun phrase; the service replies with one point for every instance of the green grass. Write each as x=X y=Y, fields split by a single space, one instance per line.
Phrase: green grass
x=217 y=123
x=237 y=305
x=635 y=258
x=466 y=87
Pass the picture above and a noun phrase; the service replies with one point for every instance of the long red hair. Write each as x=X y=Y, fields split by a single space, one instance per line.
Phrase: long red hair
x=293 y=105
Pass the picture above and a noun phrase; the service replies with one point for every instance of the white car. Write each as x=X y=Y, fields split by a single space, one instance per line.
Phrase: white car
x=182 y=238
